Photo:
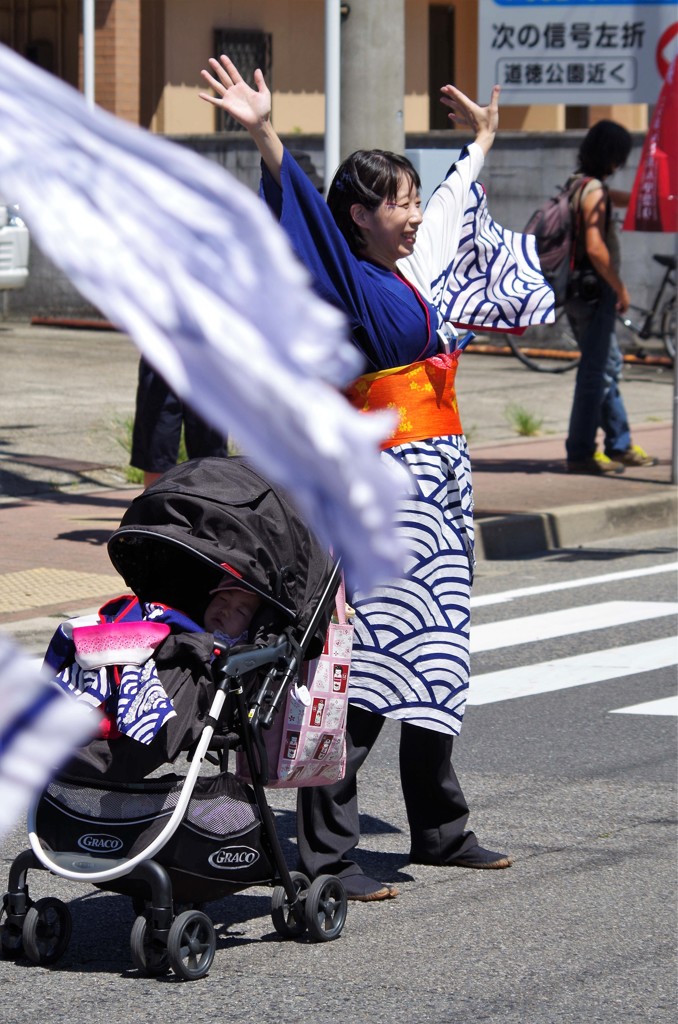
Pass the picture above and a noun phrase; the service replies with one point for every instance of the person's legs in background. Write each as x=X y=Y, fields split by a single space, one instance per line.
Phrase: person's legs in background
x=593 y=326
x=613 y=418
x=614 y=421
x=201 y=439
x=158 y=419
x=157 y=425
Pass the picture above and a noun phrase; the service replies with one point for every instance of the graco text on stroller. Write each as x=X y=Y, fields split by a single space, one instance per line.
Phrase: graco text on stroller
x=170 y=841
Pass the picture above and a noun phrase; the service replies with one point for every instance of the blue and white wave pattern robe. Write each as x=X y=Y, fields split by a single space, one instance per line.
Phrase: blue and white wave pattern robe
x=411 y=651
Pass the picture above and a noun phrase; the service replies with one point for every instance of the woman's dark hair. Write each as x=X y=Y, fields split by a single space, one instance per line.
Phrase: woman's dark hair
x=605 y=148
x=368 y=177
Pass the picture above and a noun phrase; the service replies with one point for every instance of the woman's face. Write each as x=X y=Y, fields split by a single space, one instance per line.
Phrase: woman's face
x=390 y=230
x=230 y=611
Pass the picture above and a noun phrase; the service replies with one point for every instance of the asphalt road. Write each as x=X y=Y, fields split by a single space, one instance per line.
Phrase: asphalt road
x=582 y=791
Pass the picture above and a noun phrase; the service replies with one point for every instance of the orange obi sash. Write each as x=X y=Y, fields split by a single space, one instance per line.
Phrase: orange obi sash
x=422 y=394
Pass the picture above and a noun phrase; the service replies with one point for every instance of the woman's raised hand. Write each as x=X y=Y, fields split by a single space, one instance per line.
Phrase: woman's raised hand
x=249 y=107
x=483 y=121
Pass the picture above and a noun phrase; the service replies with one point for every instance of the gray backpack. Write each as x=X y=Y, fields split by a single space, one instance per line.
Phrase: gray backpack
x=555 y=227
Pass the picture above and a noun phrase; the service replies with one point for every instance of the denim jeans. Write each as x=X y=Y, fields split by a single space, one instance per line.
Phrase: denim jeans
x=597 y=399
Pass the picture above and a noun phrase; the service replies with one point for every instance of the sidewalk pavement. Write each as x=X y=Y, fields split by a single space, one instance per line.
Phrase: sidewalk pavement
x=527 y=502
x=58 y=508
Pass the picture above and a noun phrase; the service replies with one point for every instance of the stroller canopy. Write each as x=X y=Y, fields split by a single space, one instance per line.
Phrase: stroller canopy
x=207 y=517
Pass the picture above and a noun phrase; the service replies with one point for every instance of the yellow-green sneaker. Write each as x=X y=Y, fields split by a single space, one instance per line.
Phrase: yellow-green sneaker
x=634 y=456
x=598 y=465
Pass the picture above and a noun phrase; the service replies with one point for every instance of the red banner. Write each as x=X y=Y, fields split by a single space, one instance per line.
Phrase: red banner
x=654 y=199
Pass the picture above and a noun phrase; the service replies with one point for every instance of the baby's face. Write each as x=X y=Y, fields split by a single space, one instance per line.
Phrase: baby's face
x=230 y=611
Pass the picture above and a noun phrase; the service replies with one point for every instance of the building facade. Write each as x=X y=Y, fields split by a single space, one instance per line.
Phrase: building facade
x=148 y=56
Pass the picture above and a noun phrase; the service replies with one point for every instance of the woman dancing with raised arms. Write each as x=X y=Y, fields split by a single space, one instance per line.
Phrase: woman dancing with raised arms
x=411 y=654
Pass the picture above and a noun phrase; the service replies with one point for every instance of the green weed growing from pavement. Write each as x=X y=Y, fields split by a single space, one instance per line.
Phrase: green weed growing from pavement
x=522 y=420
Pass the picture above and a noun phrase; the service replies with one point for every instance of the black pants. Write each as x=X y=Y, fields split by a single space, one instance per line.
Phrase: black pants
x=328 y=828
x=158 y=419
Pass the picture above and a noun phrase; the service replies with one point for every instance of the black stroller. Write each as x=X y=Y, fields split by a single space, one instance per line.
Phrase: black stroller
x=171 y=842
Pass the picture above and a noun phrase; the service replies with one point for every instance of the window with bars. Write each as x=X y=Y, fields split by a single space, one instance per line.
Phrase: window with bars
x=35 y=29
x=248 y=50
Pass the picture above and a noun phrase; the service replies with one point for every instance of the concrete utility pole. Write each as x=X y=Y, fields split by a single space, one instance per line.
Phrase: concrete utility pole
x=332 y=89
x=373 y=76
x=88 y=24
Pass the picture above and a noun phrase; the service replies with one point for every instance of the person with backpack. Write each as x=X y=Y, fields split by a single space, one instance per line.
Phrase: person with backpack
x=595 y=293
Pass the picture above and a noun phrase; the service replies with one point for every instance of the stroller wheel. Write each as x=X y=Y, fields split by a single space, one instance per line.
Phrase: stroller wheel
x=326 y=905
x=191 y=945
x=284 y=919
x=148 y=956
x=46 y=930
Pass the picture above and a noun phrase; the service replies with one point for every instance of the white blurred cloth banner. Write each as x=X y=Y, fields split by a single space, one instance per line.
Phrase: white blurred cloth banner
x=39 y=727
x=175 y=251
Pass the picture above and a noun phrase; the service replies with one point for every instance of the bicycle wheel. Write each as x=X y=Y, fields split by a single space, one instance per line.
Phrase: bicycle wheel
x=668 y=326
x=547 y=348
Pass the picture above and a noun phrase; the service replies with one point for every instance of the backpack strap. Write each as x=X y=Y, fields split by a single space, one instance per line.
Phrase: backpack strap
x=576 y=187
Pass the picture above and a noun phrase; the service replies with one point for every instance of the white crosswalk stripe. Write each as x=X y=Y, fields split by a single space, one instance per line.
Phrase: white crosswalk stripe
x=665 y=706
x=551 y=674
x=527 y=680
x=532 y=628
x=505 y=596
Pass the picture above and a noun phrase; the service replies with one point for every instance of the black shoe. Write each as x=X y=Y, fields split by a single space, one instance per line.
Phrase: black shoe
x=477 y=857
x=367 y=890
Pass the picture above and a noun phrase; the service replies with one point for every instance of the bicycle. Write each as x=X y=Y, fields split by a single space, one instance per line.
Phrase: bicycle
x=551 y=348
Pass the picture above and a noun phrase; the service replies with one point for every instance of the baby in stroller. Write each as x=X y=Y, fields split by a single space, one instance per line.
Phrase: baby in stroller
x=230 y=595
x=230 y=612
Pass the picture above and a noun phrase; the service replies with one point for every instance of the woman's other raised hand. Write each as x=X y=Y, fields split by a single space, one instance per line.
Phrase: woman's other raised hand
x=464 y=113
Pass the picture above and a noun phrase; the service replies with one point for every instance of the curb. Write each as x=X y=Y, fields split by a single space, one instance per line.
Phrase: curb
x=518 y=534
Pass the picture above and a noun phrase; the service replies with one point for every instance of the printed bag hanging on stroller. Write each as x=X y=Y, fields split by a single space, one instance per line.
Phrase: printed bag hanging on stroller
x=109 y=818
x=306 y=744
